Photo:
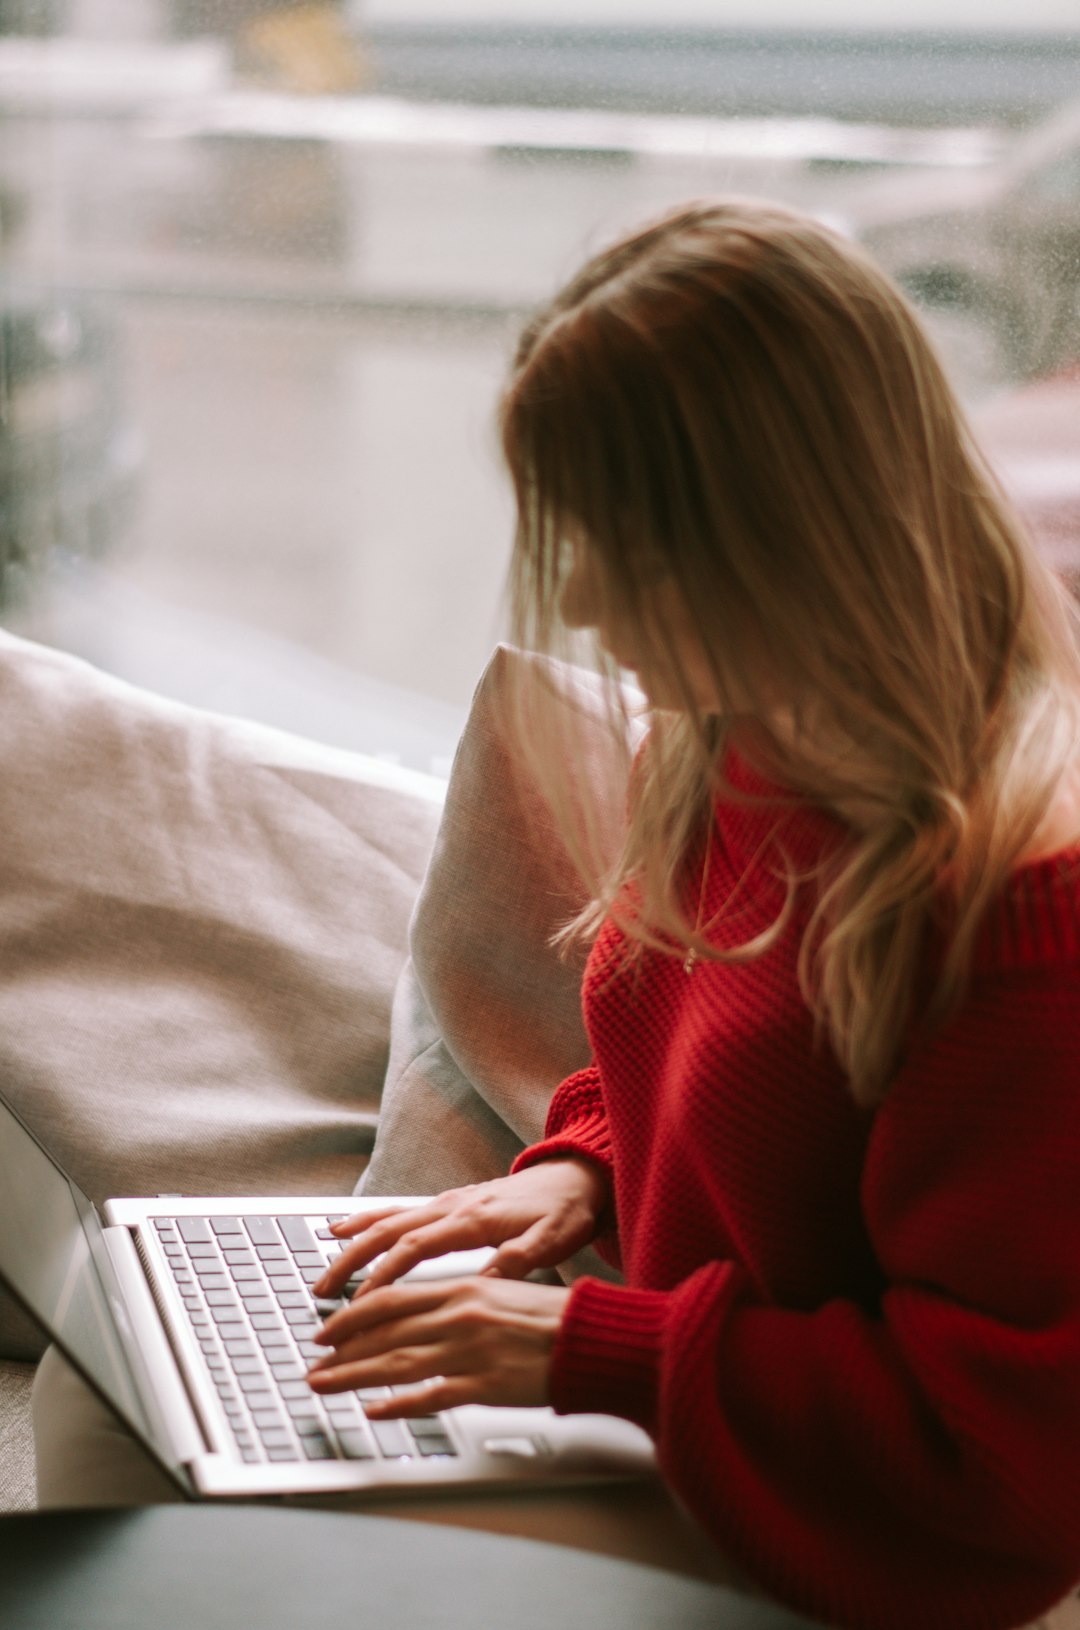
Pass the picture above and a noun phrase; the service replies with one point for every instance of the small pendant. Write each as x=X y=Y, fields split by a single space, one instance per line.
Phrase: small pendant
x=691 y=959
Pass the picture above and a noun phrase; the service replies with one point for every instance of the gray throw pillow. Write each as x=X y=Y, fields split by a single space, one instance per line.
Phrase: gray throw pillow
x=487 y=1015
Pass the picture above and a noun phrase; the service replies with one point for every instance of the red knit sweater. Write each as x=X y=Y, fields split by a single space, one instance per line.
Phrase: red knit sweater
x=854 y=1336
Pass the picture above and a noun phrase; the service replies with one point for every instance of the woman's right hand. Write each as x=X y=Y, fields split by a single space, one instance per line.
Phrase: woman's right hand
x=536 y=1218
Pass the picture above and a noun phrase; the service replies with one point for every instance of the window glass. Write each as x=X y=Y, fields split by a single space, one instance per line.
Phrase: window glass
x=264 y=264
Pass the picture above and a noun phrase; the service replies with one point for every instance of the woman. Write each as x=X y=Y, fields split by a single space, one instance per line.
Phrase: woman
x=831 y=1132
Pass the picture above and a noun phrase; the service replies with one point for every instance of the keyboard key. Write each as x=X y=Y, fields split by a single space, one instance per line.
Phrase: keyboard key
x=346 y=1423
x=226 y=1225
x=300 y=1317
x=392 y=1439
x=241 y=1349
x=289 y=1388
x=286 y=1370
x=366 y=1394
x=200 y=1252
x=262 y=1230
x=323 y=1233
x=356 y=1445
x=173 y=1248
x=232 y=1330
x=163 y=1224
x=294 y=1298
x=213 y=1282
x=289 y=1453
x=318 y=1448
x=426 y=1426
x=247 y=1367
x=250 y=1454
x=254 y=1304
x=268 y=1420
x=194 y=1230
x=311 y=1276
x=308 y=1426
x=272 y=1253
x=275 y=1437
x=266 y=1321
x=237 y=1253
x=282 y=1281
x=310 y=1259
x=244 y=1270
x=275 y=1344
x=254 y=1290
x=297 y=1234
x=301 y=1409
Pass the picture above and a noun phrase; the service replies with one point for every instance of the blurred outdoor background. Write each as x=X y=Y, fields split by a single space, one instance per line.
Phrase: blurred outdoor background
x=262 y=266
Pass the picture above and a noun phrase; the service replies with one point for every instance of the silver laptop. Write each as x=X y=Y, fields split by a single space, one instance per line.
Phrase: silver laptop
x=192 y=1319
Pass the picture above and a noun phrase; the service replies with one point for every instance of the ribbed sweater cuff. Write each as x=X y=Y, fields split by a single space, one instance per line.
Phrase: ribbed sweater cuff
x=583 y=1148
x=607 y=1357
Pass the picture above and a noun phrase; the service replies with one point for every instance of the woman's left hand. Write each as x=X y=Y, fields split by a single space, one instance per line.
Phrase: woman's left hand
x=474 y=1341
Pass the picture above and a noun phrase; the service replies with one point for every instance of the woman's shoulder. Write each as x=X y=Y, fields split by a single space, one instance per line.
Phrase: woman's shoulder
x=1035 y=924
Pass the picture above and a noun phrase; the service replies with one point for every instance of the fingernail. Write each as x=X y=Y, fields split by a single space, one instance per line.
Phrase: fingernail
x=319 y=1286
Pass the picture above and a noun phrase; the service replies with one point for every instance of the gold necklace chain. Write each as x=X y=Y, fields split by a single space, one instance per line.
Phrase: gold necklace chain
x=691 y=959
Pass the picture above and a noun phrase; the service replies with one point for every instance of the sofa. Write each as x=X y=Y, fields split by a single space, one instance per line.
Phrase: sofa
x=233 y=961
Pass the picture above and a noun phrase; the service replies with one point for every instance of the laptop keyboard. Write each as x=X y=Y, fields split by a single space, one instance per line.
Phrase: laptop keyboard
x=246 y=1285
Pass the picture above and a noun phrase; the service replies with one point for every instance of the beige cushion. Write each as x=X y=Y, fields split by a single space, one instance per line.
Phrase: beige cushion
x=201 y=925
x=487 y=1016
x=16 y=1438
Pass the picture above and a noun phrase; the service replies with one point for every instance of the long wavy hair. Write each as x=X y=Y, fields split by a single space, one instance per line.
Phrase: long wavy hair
x=737 y=398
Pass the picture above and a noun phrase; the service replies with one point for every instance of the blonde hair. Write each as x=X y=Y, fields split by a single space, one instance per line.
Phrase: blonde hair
x=737 y=398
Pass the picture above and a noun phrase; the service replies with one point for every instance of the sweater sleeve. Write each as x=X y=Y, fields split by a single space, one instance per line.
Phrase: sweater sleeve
x=916 y=1461
x=577 y=1124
